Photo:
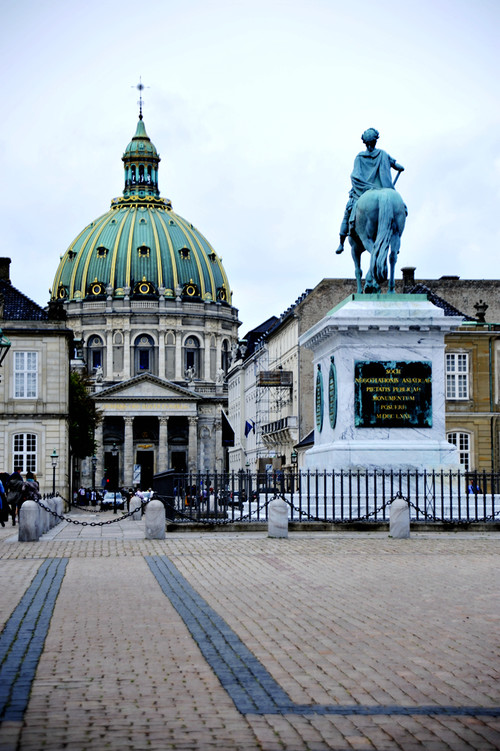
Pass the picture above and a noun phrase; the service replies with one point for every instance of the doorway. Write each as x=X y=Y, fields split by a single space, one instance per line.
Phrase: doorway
x=178 y=461
x=146 y=461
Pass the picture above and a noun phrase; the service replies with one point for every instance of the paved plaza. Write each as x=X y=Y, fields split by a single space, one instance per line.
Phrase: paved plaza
x=234 y=641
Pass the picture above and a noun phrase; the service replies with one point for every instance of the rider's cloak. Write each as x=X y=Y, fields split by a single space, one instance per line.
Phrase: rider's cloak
x=371 y=170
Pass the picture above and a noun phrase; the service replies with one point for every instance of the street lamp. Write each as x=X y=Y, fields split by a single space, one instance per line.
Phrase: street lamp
x=94 y=467
x=114 y=453
x=54 y=457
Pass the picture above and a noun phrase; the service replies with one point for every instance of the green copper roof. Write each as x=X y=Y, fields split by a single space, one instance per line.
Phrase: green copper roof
x=140 y=247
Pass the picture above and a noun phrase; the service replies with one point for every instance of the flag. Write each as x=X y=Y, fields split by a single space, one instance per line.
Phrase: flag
x=249 y=426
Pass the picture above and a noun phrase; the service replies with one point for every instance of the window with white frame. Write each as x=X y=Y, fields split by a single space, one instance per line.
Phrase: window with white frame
x=24 y=451
x=25 y=375
x=457 y=375
x=462 y=442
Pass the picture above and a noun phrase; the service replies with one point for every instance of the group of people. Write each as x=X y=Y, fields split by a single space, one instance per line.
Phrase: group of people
x=14 y=490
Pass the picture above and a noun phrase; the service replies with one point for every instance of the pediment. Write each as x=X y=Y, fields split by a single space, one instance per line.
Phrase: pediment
x=145 y=387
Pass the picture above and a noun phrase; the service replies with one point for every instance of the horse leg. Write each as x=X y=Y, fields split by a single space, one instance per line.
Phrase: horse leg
x=356 y=251
x=367 y=234
x=393 y=257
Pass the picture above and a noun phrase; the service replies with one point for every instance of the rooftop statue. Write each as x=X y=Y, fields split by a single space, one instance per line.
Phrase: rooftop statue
x=375 y=214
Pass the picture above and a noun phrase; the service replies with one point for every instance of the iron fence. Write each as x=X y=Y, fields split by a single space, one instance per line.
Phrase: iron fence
x=336 y=496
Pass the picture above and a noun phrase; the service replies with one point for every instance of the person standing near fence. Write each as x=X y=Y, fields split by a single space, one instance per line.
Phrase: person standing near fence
x=15 y=493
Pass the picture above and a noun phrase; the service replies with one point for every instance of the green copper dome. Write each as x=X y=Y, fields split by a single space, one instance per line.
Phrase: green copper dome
x=141 y=248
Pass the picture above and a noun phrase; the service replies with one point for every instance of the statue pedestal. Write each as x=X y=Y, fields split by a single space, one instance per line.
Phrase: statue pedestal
x=379 y=385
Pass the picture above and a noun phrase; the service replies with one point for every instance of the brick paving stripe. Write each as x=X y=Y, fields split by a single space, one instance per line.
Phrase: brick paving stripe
x=22 y=640
x=248 y=683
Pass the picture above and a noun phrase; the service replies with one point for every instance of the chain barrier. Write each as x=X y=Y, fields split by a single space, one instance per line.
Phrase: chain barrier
x=63 y=518
x=252 y=512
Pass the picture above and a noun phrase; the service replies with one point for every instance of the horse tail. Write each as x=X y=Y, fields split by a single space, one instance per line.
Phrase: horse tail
x=385 y=232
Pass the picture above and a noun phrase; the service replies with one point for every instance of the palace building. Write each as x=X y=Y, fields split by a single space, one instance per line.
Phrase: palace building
x=150 y=307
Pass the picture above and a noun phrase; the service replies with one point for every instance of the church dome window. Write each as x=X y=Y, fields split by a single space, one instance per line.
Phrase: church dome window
x=96 y=289
x=62 y=292
x=143 y=250
x=191 y=289
x=221 y=294
x=144 y=288
x=101 y=251
x=184 y=253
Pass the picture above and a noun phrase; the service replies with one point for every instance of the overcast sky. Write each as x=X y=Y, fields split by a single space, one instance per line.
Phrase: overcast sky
x=256 y=109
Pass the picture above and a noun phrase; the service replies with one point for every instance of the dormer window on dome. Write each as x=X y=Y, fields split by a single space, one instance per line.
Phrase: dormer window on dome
x=144 y=288
x=143 y=251
x=184 y=253
x=191 y=289
x=101 y=251
x=96 y=289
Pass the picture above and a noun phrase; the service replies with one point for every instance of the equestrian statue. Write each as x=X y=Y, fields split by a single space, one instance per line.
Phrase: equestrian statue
x=375 y=214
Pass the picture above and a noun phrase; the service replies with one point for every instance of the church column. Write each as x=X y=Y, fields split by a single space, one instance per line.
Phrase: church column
x=109 y=354
x=99 y=453
x=206 y=376
x=126 y=354
x=193 y=444
x=128 y=452
x=162 y=461
x=161 y=355
x=179 y=360
x=219 y=450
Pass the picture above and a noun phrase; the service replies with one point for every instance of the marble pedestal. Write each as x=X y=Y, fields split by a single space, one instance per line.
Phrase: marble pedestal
x=399 y=335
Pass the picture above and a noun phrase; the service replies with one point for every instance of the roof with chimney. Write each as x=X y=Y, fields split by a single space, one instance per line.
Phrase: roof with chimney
x=16 y=305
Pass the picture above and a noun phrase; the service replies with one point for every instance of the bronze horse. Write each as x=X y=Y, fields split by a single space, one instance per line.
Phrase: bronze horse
x=380 y=217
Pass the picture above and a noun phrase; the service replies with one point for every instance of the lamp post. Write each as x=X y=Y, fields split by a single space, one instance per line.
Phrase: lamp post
x=114 y=453
x=54 y=457
x=94 y=467
x=293 y=458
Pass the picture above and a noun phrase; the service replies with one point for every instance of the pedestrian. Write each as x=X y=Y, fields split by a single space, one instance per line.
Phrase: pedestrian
x=31 y=488
x=15 y=493
x=4 y=513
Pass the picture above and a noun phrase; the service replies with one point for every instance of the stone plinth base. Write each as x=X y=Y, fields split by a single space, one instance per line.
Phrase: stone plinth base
x=379 y=385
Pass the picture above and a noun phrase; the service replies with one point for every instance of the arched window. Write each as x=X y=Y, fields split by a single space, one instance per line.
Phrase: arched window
x=144 y=354
x=192 y=356
x=463 y=443
x=24 y=451
x=95 y=354
x=224 y=356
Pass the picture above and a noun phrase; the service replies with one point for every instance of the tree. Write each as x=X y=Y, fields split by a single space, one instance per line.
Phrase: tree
x=83 y=416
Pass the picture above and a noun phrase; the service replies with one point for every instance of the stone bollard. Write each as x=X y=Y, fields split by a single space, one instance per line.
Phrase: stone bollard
x=59 y=503
x=399 y=527
x=135 y=509
x=28 y=522
x=155 y=520
x=51 y=504
x=278 y=518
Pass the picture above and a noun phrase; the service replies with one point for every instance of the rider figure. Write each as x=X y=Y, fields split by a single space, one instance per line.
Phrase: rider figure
x=372 y=169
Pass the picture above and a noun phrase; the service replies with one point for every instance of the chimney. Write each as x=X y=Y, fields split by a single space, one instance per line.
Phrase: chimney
x=5 y=270
x=408 y=278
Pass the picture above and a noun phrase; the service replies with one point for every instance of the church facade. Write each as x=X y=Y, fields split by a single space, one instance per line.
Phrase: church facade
x=150 y=307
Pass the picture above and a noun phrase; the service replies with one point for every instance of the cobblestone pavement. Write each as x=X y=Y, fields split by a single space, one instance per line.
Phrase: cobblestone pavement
x=239 y=642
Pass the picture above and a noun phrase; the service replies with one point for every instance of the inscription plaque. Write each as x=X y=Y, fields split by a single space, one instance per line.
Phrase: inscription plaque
x=393 y=394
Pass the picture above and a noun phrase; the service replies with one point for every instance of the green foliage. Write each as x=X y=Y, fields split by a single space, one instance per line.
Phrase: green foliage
x=83 y=416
